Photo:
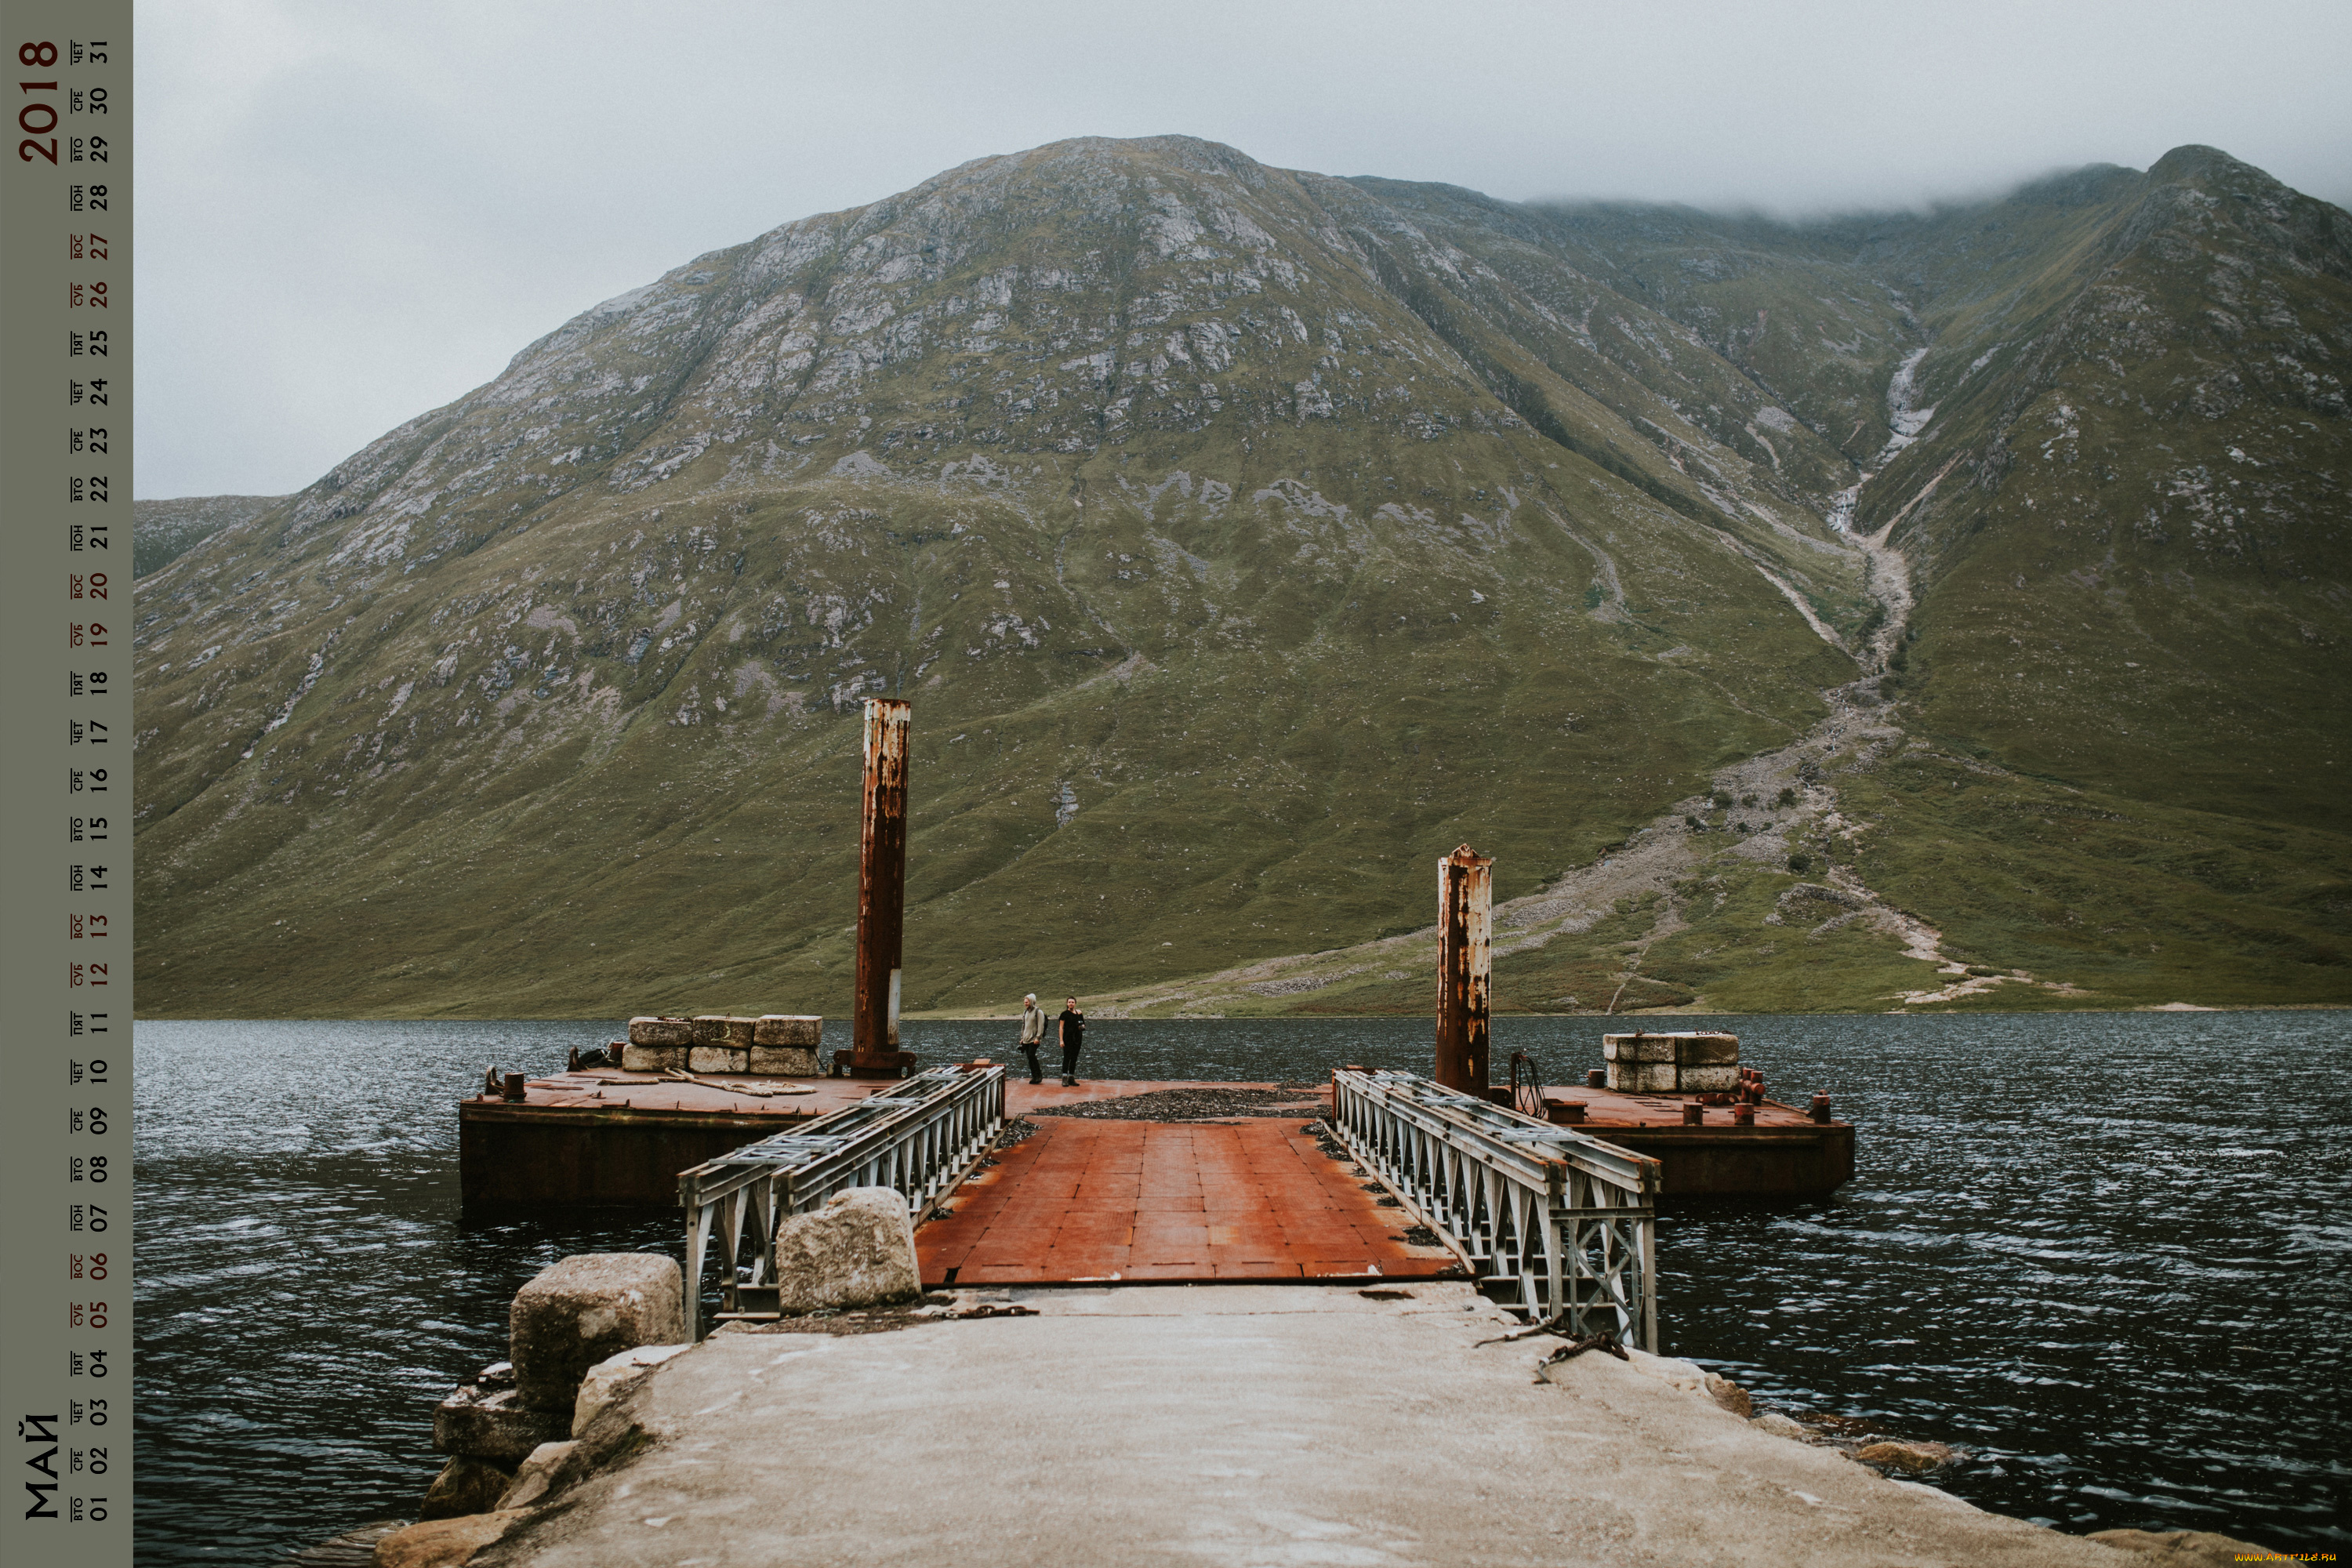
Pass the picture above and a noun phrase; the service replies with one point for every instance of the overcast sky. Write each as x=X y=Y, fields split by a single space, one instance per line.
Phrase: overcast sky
x=349 y=214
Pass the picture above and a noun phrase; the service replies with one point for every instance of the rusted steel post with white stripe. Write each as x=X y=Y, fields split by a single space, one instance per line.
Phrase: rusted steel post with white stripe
x=1466 y=962
x=881 y=893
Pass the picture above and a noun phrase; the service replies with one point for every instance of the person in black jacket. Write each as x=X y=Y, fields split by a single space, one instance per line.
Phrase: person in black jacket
x=1074 y=1035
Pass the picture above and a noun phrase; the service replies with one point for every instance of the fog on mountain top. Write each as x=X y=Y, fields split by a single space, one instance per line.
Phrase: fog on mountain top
x=421 y=192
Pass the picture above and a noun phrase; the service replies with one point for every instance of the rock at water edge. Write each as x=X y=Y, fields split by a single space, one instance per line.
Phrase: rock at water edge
x=465 y=1485
x=443 y=1542
x=2184 y=1548
x=1912 y=1458
x=857 y=1251
x=494 y=1426
x=611 y=1380
x=539 y=1474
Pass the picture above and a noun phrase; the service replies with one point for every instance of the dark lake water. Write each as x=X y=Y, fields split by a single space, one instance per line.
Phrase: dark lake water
x=2111 y=1256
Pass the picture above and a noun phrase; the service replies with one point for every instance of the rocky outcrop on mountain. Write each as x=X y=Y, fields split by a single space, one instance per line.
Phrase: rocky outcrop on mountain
x=1242 y=537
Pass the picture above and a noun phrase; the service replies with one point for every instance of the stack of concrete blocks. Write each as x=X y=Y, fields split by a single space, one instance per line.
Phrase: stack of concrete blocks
x=574 y=1315
x=777 y=1044
x=783 y=1043
x=656 y=1045
x=721 y=1044
x=1686 y=1063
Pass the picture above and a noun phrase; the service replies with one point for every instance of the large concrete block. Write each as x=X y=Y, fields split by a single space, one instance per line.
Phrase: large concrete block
x=788 y=1029
x=1642 y=1078
x=857 y=1251
x=718 y=1029
x=661 y=1031
x=1698 y=1050
x=797 y=1061
x=653 y=1058
x=718 y=1058
x=494 y=1426
x=1707 y=1080
x=1637 y=1048
x=583 y=1310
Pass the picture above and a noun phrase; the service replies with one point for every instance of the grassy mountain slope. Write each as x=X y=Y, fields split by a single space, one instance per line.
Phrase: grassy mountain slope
x=1245 y=539
x=2140 y=547
x=1218 y=579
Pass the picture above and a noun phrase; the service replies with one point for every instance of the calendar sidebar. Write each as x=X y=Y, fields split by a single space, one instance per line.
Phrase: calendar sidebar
x=66 y=801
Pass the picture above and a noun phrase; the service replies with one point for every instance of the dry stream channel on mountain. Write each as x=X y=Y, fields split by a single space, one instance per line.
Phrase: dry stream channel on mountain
x=1662 y=866
x=2102 y=1253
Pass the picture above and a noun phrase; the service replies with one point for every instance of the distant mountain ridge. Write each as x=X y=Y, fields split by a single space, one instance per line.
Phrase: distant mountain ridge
x=164 y=531
x=1245 y=538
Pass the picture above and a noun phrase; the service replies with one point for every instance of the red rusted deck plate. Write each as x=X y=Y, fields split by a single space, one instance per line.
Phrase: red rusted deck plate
x=1022 y=1097
x=1123 y=1201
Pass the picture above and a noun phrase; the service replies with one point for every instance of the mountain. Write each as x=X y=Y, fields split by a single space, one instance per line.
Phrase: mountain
x=1943 y=607
x=164 y=531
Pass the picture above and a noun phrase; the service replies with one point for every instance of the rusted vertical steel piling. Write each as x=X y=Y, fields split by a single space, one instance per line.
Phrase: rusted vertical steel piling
x=1466 y=897
x=881 y=893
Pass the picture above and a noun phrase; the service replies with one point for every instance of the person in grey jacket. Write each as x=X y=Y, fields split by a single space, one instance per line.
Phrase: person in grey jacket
x=1033 y=1035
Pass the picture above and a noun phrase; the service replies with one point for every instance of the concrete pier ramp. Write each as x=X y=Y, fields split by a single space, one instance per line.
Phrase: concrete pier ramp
x=1245 y=1425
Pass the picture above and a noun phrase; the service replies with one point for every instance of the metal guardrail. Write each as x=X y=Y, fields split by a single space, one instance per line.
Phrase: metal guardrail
x=1563 y=1222
x=921 y=1136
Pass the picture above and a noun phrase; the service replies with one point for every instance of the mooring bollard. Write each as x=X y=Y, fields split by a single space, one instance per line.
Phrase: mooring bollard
x=1466 y=889
x=1820 y=1111
x=881 y=899
x=1743 y=1115
x=1694 y=1114
x=513 y=1088
x=1596 y=1077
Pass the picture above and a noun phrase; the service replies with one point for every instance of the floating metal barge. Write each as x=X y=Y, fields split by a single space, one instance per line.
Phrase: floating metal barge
x=606 y=1138
x=1784 y=1153
x=603 y=1137
x=1684 y=1098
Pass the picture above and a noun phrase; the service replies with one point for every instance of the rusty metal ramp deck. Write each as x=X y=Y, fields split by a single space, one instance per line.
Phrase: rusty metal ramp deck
x=1112 y=1201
